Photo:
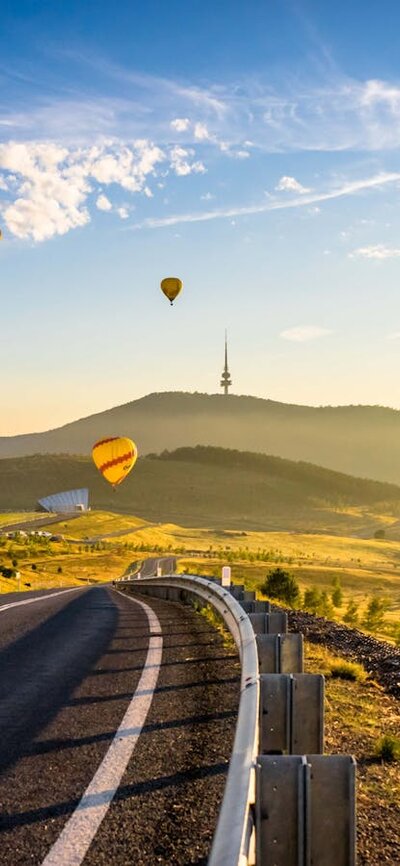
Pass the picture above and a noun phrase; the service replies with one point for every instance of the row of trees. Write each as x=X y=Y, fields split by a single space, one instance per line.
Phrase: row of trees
x=280 y=584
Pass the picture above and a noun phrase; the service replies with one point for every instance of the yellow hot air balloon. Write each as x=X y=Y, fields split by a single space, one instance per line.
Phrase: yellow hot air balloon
x=171 y=286
x=114 y=458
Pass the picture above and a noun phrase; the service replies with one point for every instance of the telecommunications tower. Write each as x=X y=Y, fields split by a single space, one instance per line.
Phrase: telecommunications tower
x=226 y=380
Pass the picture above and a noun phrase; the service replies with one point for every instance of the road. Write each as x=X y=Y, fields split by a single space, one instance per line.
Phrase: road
x=117 y=719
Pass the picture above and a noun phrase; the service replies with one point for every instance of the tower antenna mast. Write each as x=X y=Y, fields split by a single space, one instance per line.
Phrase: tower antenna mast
x=226 y=380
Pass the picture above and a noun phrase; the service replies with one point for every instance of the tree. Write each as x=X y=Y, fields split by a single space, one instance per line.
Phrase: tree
x=337 y=595
x=282 y=585
x=375 y=613
x=326 y=607
x=312 y=600
x=351 y=614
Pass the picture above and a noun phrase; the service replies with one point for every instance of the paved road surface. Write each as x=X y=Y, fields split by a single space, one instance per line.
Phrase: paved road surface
x=70 y=667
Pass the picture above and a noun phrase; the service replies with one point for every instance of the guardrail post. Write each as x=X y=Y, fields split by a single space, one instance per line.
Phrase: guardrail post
x=280 y=653
x=256 y=606
x=269 y=623
x=237 y=590
x=305 y=810
x=291 y=714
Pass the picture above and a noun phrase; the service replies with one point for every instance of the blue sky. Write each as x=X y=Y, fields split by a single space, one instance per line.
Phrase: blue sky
x=251 y=149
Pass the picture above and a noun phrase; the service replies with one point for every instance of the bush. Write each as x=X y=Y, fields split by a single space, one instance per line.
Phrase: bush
x=337 y=595
x=281 y=585
x=344 y=670
x=388 y=748
x=312 y=600
x=325 y=607
x=351 y=614
x=375 y=614
x=380 y=533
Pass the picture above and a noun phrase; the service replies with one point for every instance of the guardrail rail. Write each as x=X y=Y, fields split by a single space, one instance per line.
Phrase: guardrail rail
x=285 y=803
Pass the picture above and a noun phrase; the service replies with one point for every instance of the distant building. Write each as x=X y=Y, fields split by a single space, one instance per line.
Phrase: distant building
x=226 y=380
x=66 y=502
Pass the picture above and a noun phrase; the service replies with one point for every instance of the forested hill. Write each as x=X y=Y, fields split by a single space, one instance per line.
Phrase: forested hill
x=213 y=487
x=359 y=440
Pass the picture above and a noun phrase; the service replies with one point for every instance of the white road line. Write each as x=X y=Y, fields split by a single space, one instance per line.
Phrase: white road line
x=72 y=844
x=38 y=598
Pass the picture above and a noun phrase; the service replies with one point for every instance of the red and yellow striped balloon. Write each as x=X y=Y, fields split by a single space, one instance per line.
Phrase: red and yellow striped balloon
x=114 y=458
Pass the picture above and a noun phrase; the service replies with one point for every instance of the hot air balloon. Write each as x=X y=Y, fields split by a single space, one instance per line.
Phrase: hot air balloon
x=171 y=286
x=114 y=458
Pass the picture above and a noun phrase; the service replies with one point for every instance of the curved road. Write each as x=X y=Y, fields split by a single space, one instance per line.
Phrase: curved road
x=117 y=719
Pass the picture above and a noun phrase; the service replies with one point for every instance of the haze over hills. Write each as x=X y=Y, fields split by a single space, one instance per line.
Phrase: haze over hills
x=359 y=440
x=212 y=487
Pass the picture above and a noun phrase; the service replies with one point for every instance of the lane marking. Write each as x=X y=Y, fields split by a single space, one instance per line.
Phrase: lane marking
x=38 y=598
x=72 y=845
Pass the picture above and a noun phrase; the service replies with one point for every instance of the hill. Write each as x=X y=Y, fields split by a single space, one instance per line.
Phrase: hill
x=359 y=440
x=206 y=486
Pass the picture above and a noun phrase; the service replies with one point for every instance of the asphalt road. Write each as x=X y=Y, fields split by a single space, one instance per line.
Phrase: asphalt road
x=75 y=668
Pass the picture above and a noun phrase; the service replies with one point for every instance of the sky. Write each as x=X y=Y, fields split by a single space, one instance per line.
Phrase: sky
x=249 y=147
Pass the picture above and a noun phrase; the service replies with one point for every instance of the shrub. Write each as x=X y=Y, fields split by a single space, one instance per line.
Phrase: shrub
x=351 y=614
x=312 y=600
x=325 y=606
x=344 y=670
x=282 y=585
x=337 y=595
x=380 y=533
x=375 y=614
x=388 y=748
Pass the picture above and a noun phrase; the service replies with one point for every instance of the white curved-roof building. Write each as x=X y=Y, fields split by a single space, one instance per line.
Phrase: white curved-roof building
x=67 y=501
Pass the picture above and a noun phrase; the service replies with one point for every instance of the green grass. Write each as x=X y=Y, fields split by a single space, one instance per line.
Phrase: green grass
x=345 y=670
x=388 y=748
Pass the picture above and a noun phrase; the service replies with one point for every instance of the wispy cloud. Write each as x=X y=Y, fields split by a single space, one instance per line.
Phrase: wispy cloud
x=347 y=189
x=375 y=251
x=334 y=113
x=304 y=333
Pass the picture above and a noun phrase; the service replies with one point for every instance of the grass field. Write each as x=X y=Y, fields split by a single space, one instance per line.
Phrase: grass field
x=365 y=567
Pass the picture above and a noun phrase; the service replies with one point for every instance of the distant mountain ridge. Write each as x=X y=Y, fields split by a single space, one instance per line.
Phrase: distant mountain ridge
x=358 y=440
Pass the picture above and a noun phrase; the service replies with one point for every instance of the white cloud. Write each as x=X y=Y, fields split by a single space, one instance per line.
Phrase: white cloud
x=201 y=132
x=123 y=213
x=180 y=162
x=304 y=333
x=290 y=184
x=103 y=203
x=208 y=196
x=394 y=336
x=375 y=251
x=180 y=124
x=52 y=183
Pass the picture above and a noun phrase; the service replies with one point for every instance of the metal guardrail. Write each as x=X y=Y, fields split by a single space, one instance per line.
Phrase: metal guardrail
x=234 y=838
x=285 y=802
